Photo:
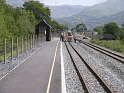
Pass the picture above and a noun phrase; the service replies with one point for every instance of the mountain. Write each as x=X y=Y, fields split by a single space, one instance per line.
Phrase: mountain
x=91 y=21
x=118 y=18
x=111 y=10
x=65 y=10
x=107 y=8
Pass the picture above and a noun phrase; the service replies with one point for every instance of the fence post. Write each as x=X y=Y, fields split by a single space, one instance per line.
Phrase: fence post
x=12 y=50
x=21 y=44
x=22 y=47
x=4 y=50
x=30 y=42
x=33 y=41
x=17 y=52
x=36 y=40
x=26 y=44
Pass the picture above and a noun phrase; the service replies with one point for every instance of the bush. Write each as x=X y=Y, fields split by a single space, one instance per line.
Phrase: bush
x=115 y=45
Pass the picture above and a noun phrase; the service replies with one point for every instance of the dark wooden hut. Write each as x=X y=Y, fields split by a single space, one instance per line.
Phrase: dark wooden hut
x=43 y=27
x=107 y=37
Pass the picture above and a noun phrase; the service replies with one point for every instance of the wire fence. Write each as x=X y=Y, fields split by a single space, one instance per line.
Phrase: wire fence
x=14 y=50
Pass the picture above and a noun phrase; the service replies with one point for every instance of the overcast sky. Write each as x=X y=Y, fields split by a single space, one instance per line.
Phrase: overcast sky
x=61 y=2
x=72 y=2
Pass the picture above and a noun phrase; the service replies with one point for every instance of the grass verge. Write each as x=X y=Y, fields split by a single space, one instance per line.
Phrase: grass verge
x=115 y=45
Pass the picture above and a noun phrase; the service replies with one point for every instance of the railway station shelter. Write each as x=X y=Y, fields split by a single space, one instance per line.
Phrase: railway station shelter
x=43 y=27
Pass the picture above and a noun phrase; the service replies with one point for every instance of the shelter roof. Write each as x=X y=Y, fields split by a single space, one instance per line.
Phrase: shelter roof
x=42 y=21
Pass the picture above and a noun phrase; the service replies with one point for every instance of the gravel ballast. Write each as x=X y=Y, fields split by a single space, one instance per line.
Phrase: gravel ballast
x=73 y=84
x=97 y=62
x=90 y=80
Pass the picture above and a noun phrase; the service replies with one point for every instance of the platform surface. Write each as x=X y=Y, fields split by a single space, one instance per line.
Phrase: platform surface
x=33 y=75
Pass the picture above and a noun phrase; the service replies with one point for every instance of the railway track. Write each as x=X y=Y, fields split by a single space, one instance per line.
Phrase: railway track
x=104 y=51
x=90 y=80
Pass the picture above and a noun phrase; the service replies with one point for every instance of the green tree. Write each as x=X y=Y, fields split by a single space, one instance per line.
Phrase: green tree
x=81 y=27
x=55 y=25
x=99 y=29
x=38 y=9
x=122 y=24
x=73 y=29
x=111 y=28
x=121 y=32
x=41 y=12
x=15 y=21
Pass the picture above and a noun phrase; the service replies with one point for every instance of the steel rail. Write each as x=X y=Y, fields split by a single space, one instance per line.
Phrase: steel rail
x=104 y=51
x=102 y=83
x=77 y=71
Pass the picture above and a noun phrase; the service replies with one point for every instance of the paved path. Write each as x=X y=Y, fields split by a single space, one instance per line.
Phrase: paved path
x=56 y=77
x=33 y=75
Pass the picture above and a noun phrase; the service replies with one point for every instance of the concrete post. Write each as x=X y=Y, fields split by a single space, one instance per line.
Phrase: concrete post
x=5 y=51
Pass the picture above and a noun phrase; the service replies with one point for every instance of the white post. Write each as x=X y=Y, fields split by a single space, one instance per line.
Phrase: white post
x=17 y=51
x=12 y=50
x=5 y=51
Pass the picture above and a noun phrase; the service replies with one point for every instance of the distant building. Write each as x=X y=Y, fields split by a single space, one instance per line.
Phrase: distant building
x=89 y=33
x=107 y=37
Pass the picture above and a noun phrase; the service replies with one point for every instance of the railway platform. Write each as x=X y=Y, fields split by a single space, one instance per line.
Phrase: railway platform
x=40 y=73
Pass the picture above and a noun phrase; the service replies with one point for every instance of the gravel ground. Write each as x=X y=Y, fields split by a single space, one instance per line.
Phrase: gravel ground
x=91 y=82
x=112 y=80
x=73 y=84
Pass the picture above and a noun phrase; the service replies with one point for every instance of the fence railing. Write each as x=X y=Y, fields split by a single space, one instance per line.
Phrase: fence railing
x=11 y=49
x=15 y=50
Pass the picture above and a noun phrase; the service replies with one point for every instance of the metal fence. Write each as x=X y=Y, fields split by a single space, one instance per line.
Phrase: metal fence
x=14 y=51
x=16 y=48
